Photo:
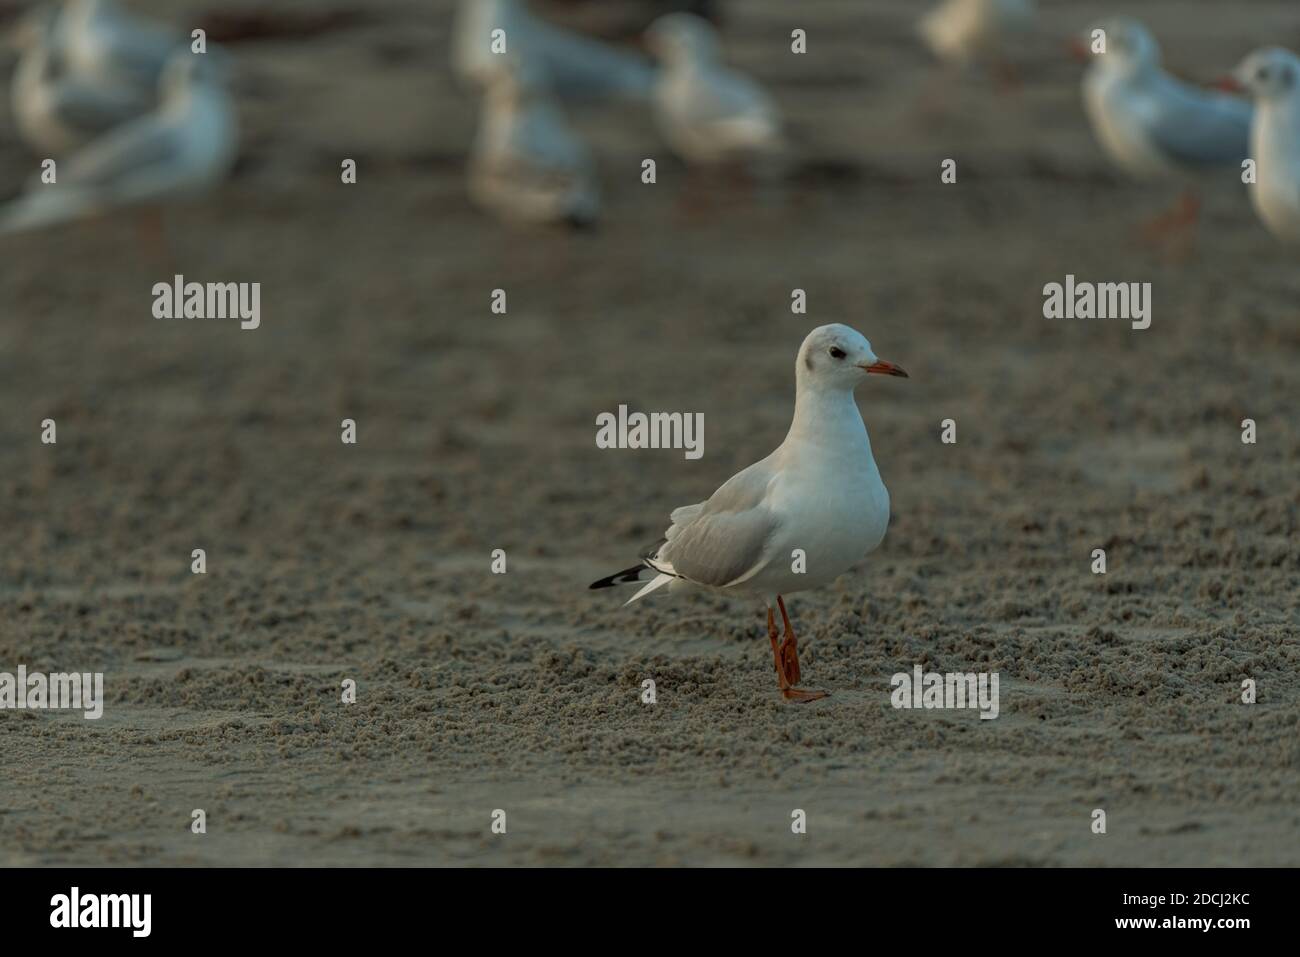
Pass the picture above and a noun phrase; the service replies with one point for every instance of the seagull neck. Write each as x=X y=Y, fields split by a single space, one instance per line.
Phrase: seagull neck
x=1278 y=122
x=825 y=416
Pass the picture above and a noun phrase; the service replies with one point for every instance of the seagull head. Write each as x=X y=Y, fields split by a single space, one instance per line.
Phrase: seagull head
x=1271 y=73
x=681 y=38
x=1130 y=48
x=839 y=357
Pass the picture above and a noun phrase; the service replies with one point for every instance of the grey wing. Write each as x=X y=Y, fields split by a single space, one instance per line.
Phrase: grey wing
x=98 y=110
x=1199 y=129
x=130 y=151
x=722 y=548
x=727 y=538
x=582 y=68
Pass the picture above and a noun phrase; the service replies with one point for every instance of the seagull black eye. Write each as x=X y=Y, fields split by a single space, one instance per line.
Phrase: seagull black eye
x=1262 y=75
x=837 y=352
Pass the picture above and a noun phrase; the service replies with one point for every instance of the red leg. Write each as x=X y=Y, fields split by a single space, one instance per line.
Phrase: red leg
x=1006 y=75
x=152 y=231
x=1179 y=222
x=789 y=647
x=1190 y=205
x=787 y=658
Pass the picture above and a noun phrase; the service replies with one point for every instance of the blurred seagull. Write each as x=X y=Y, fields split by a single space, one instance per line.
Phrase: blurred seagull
x=619 y=19
x=709 y=114
x=526 y=164
x=184 y=147
x=573 y=66
x=963 y=33
x=819 y=492
x=57 y=109
x=1154 y=126
x=103 y=40
x=1272 y=77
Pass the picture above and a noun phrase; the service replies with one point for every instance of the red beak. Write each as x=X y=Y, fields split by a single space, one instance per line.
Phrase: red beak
x=881 y=367
x=1078 y=50
x=1228 y=84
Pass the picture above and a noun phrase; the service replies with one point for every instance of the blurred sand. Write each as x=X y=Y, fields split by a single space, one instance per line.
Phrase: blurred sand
x=477 y=432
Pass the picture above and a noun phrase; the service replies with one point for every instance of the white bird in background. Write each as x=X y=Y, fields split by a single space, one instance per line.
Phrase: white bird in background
x=101 y=39
x=574 y=66
x=1152 y=125
x=58 y=109
x=708 y=113
x=526 y=164
x=963 y=33
x=1272 y=77
x=820 y=492
x=188 y=144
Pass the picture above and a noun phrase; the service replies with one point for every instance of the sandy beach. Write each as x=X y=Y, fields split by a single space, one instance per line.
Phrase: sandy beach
x=522 y=691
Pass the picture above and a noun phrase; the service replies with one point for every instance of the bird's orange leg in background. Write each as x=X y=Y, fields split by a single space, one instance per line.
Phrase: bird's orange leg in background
x=1007 y=76
x=787 y=659
x=151 y=229
x=1180 y=221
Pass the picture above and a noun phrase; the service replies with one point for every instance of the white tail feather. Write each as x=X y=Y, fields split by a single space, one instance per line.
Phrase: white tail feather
x=657 y=582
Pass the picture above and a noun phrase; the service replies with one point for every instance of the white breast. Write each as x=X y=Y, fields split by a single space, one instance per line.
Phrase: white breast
x=1275 y=143
x=1116 y=111
x=835 y=510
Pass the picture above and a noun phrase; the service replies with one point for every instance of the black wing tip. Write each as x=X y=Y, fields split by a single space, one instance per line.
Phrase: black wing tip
x=625 y=577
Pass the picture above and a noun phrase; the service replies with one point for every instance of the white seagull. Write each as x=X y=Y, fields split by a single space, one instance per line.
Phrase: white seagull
x=1272 y=76
x=1152 y=125
x=963 y=33
x=820 y=492
x=708 y=113
x=186 y=146
x=526 y=164
x=574 y=66
x=101 y=39
x=58 y=109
